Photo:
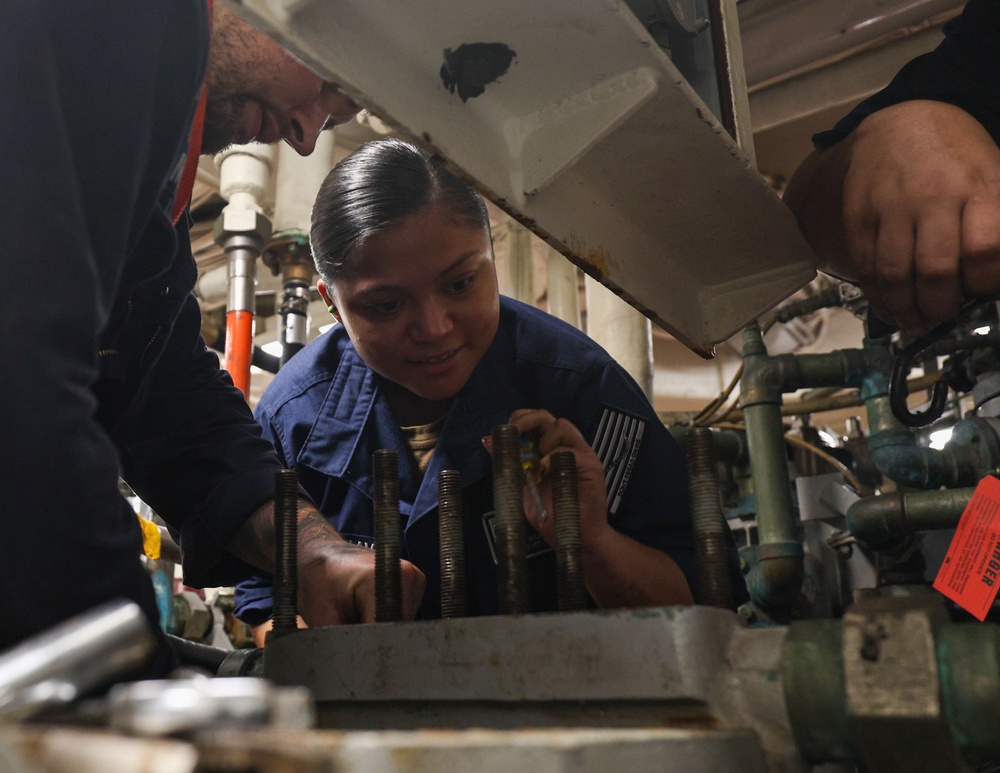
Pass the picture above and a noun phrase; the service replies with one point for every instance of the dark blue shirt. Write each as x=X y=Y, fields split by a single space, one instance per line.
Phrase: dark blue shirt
x=103 y=367
x=327 y=415
x=964 y=70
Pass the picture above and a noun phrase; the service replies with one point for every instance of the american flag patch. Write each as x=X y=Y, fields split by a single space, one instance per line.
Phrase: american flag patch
x=616 y=444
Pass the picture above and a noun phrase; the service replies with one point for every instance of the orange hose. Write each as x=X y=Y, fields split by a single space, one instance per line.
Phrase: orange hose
x=239 y=348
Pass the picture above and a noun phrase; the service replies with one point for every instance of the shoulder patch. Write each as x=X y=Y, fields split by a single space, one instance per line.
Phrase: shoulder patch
x=617 y=443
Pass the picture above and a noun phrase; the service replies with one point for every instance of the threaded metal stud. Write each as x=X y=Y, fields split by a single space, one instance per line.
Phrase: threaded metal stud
x=707 y=521
x=571 y=592
x=451 y=529
x=508 y=479
x=286 y=529
x=388 y=573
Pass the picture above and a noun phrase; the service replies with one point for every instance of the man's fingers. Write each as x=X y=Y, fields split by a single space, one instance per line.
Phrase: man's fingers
x=981 y=247
x=936 y=258
x=364 y=603
x=414 y=583
x=895 y=270
x=860 y=234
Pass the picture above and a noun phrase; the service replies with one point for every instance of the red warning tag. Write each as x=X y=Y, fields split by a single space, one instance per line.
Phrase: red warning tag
x=970 y=574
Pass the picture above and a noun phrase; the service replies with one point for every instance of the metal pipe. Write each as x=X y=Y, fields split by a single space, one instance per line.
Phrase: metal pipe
x=508 y=482
x=286 y=527
x=728 y=445
x=835 y=402
x=895 y=451
x=451 y=528
x=707 y=521
x=883 y=519
x=242 y=230
x=296 y=182
x=824 y=299
x=894 y=448
x=388 y=573
x=242 y=250
x=295 y=318
x=288 y=255
x=776 y=577
x=571 y=591
x=61 y=664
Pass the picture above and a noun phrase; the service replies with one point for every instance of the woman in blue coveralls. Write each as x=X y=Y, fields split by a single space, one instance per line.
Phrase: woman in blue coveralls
x=427 y=359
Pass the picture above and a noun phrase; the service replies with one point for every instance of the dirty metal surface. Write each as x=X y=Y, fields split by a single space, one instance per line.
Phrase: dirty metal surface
x=656 y=653
x=62 y=750
x=683 y=667
x=570 y=117
x=496 y=751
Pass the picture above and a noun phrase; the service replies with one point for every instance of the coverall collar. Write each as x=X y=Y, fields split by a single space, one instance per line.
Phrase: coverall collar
x=354 y=421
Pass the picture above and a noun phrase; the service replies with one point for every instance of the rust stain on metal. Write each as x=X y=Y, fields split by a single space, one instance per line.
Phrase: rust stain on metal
x=595 y=259
x=471 y=67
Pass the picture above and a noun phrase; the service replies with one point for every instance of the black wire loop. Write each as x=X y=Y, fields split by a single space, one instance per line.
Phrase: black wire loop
x=898 y=391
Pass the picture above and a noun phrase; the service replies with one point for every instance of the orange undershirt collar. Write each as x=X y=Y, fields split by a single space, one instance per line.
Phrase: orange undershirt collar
x=186 y=185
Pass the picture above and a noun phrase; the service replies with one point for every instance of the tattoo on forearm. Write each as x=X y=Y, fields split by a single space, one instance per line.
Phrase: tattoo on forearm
x=254 y=543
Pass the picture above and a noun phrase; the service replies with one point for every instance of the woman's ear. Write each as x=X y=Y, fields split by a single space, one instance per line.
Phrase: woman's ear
x=324 y=291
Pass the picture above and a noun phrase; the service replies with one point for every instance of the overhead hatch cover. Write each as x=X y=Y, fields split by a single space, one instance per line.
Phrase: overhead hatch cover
x=569 y=117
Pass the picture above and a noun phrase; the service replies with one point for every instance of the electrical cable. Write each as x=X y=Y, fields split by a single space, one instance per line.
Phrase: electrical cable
x=706 y=414
x=842 y=468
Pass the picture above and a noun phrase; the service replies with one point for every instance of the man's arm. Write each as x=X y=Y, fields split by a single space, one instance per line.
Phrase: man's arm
x=908 y=206
x=904 y=194
x=86 y=150
x=336 y=578
x=210 y=475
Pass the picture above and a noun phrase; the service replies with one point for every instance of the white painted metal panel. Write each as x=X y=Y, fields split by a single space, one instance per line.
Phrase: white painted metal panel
x=591 y=138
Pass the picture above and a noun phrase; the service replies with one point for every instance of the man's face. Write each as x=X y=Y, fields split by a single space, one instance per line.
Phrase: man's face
x=258 y=92
x=420 y=303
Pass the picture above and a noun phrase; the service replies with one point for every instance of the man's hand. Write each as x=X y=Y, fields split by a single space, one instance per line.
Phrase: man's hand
x=909 y=206
x=336 y=578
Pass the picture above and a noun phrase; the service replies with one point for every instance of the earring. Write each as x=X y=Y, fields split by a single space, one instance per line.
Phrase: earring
x=330 y=309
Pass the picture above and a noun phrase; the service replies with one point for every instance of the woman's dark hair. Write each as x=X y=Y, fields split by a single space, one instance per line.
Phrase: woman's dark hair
x=375 y=188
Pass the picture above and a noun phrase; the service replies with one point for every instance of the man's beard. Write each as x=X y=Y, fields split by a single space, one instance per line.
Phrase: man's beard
x=221 y=123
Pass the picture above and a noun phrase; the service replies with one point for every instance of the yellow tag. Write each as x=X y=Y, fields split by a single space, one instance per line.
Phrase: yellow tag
x=150 y=538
